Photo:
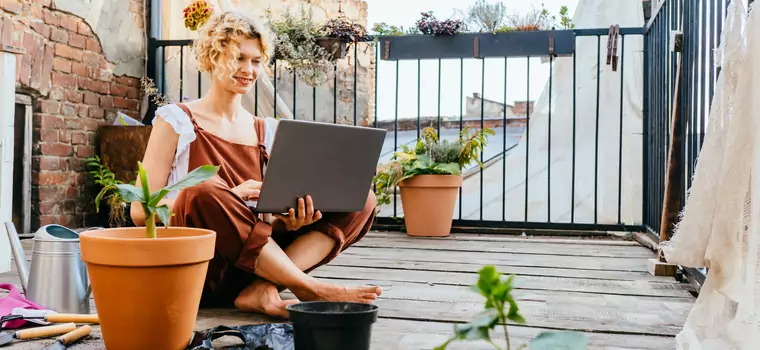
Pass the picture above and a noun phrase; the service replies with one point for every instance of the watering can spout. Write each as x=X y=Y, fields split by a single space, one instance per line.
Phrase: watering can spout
x=18 y=255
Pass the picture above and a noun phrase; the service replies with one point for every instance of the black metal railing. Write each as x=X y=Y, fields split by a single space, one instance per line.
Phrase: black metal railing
x=700 y=21
x=490 y=190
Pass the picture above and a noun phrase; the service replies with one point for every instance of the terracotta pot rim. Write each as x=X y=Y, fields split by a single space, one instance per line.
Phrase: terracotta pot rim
x=185 y=246
x=433 y=181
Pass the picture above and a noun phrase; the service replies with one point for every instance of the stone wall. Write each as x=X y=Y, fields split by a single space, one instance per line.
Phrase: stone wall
x=77 y=66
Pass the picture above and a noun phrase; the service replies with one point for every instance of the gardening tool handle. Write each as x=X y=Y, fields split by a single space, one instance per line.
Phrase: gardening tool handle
x=78 y=318
x=46 y=331
x=75 y=335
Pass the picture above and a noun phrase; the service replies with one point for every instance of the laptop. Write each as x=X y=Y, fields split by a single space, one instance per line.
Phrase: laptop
x=332 y=163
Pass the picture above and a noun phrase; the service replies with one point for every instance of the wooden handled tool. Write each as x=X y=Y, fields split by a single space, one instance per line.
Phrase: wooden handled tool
x=37 y=332
x=76 y=318
x=67 y=339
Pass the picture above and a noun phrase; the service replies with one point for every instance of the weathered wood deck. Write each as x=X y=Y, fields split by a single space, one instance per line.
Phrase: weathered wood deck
x=598 y=286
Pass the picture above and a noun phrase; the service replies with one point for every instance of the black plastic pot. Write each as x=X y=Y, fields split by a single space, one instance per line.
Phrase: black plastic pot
x=322 y=325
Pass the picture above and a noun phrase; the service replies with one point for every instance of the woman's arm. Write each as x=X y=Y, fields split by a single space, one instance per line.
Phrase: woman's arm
x=157 y=162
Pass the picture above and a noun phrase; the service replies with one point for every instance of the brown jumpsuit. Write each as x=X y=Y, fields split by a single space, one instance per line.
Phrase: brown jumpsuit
x=240 y=233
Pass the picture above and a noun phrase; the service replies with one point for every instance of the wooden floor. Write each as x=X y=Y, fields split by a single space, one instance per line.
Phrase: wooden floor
x=597 y=286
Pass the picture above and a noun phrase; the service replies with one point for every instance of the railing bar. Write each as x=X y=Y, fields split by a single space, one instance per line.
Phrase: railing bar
x=711 y=52
x=620 y=131
x=646 y=145
x=572 y=185
x=482 y=114
x=419 y=94
x=255 y=96
x=163 y=70
x=439 y=97
x=356 y=69
x=395 y=136
x=181 y=71
x=527 y=134
x=504 y=154
x=461 y=117
x=374 y=119
x=596 y=126
x=335 y=94
x=549 y=147
x=702 y=85
x=274 y=95
x=295 y=95
x=314 y=103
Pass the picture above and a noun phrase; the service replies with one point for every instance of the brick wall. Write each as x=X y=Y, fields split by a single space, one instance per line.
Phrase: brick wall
x=74 y=91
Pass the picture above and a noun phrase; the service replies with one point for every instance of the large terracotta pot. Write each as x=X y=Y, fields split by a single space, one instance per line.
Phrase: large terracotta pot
x=428 y=202
x=147 y=291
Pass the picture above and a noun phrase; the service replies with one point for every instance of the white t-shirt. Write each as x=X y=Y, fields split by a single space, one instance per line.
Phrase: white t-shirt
x=183 y=126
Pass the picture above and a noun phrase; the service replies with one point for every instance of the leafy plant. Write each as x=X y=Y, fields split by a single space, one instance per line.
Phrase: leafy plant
x=345 y=29
x=501 y=307
x=564 y=20
x=385 y=29
x=295 y=42
x=430 y=25
x=149 y=201
x=487 y=16
x=107 y=180
x=430 y=156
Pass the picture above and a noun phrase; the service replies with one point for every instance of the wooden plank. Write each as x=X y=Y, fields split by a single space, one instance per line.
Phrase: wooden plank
x=393 y=334
x=346 y=260
x=578 y=285
x=559 y=249
x=484 y=258
x=506 y=238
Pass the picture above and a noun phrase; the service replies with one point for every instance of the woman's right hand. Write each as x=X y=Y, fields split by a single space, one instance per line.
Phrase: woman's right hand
x=248 y=190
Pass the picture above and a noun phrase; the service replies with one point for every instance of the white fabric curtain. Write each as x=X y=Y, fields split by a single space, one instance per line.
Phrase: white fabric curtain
x=717 y=229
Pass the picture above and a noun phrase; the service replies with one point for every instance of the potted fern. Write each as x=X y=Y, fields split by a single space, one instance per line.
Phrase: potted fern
x=429 y=177
x=147 y=281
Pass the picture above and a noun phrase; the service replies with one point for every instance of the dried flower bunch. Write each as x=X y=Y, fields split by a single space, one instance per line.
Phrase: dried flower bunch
x=430 y=25
x=197 y=14
x=343 y=28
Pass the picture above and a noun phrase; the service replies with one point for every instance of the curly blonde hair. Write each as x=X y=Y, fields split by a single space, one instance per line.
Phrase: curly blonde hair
x=217 y=46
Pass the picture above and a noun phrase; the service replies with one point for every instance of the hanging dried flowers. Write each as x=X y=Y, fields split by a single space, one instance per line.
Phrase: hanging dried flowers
x=197 y=14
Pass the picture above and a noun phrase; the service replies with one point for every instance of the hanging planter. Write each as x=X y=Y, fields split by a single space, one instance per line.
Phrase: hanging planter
x=336 y=46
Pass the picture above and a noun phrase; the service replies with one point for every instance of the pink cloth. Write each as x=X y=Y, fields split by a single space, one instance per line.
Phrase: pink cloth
x=14 y=301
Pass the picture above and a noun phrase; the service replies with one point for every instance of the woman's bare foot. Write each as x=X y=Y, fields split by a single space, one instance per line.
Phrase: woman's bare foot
x=331 y=292
x=262 y=297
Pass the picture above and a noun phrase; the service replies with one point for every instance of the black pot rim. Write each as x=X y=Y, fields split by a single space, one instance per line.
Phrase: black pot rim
x=297 y=308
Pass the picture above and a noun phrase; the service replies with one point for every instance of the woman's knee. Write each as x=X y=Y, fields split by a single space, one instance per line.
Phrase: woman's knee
x=205 y=193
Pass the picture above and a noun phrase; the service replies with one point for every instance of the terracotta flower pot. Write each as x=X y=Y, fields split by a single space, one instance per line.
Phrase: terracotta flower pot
x=147 y=291
x=428 y=202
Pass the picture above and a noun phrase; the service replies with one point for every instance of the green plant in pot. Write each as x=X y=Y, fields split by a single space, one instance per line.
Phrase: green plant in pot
x=429 y=176
x=147 y=281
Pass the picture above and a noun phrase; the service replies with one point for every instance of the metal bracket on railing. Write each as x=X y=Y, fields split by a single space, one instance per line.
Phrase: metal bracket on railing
x=476 y=47
x=612 y=43
x=551 y=45
x=387 y=49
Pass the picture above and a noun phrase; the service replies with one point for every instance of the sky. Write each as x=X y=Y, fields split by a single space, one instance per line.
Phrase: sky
x=405 y=13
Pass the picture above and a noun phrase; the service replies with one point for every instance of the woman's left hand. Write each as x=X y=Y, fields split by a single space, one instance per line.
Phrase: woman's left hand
x=306 y=215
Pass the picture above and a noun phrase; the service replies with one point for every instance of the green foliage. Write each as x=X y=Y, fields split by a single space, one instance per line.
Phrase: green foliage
x=430 y=156
x=103 y=177
x=487 y=16
x=500 y=307
x=149 y=201
x=564 y=20
x=384 y=29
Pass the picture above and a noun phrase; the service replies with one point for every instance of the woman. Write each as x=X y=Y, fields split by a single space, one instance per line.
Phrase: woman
x=254 y=256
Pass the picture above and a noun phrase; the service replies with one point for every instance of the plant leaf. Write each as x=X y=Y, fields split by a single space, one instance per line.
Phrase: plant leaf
x=488 y=278
x=451 y=168
x=559 y=341
x=164 y=214
x=198 y=175
x=479 y=327
x=143 y=175
x=130 y=193
x=156 y=197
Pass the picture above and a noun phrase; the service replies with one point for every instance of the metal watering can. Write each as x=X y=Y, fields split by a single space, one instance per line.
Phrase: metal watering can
x=58 y=277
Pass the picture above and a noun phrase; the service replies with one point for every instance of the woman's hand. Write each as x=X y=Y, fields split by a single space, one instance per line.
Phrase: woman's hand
x=248 y=190
x=306 y=215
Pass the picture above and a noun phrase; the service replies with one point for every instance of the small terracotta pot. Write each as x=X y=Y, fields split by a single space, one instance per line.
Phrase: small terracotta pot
x=428 y=202
x=147 y=291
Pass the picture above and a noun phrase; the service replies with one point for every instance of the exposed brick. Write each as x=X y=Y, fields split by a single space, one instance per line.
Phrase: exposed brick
x=64 y=80
x=73 y=124
x=59 y=35
x=62 y=65
x=106 y=102
x=68 y=110
x=82 y=111
x=41 y=29
x=118 y=90
x=51 y=122
x=44 y=3
x=96 y=112
x=83 y=28
x=48 y=192
x=97 y=86
x=47 y=68
x=75 y=96
x=51 y=18
x=124 y=103
x=36 y=11
x=48 y=135
x=80 y=69
x=50 y=107
x=101 y=74
x=49 y=162
x=91 y=98
x=17 y=37
x=93 y=45
x=91 y=58
x=49 y=219
x=68 y=52
x=64 y=136
x=90 y=124
x=77 y=40
x=54 y=149
x=57 y=93
x=84 y=151
x=128 y=81
x=70 y=22
x=50 y=208
x=133 y=93
x=12 y=6
x=78 y=138
x=25 y=63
